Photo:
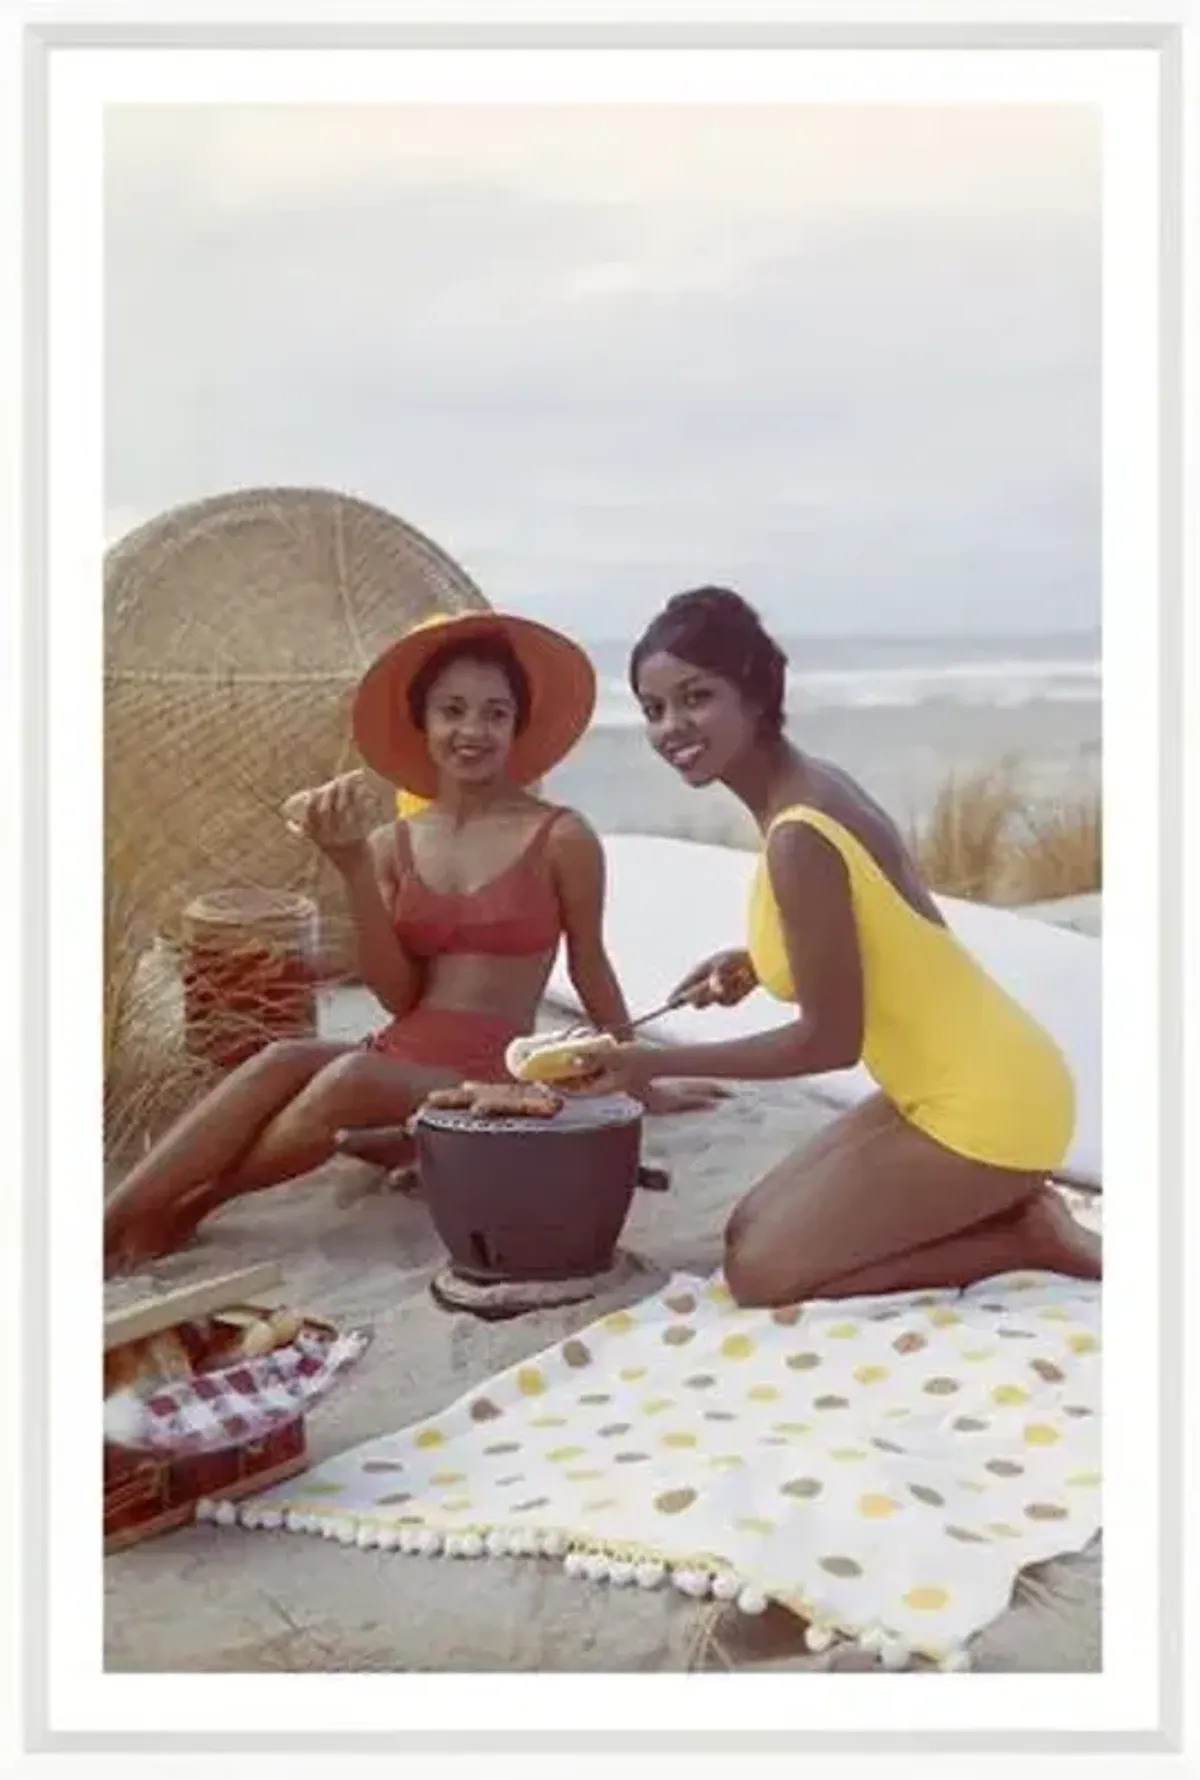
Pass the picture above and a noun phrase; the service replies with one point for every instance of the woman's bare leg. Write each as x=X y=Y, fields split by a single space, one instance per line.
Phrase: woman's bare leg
x=1040 y=1234
x=365 y=1088
x=883 y=1208
x=213 y=1135
x=356 y=1088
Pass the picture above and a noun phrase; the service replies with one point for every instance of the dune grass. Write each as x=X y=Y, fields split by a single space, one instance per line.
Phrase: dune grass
x=987 y=840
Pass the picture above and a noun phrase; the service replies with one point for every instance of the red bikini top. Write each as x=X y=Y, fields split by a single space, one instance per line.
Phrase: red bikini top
x=514 y=915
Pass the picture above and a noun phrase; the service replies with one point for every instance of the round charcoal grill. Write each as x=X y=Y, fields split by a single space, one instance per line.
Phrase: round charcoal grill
x=531 y=1199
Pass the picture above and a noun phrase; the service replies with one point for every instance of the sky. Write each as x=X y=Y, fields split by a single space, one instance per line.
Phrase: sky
x=844 y=359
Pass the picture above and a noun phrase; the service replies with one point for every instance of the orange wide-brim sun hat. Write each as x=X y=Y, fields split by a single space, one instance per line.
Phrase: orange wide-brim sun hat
x=562 y=697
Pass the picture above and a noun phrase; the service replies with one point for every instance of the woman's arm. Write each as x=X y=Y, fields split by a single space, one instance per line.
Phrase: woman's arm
x=369 y=872
x=812 y=891
x=577 y=862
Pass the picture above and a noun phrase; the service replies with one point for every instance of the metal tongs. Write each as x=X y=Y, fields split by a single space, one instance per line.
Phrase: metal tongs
x=657 y=1013
x=585 y=1031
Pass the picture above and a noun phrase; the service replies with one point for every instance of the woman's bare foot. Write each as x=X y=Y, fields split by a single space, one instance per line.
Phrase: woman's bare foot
x=1058 y=1242
x=663 y=1098
x=385 y=1146
x=131 y=1242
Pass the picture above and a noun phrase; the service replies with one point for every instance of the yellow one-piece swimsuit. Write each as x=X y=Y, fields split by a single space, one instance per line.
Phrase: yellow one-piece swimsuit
x=953 y=1052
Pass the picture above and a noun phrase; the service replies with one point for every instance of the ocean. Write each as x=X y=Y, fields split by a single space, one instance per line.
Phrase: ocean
x=900 y=714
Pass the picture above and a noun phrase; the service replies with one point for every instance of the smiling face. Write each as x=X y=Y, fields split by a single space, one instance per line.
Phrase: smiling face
x=698 y=721
x=470 y=721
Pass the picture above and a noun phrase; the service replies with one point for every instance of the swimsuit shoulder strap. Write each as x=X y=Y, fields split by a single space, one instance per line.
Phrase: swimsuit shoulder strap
x=536 y=844
x=867 y=875
x=839 y=836
x=860 y=862
x=401 y=847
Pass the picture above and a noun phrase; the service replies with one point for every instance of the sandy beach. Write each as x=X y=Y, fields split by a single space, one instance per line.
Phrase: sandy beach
x=205 y=1599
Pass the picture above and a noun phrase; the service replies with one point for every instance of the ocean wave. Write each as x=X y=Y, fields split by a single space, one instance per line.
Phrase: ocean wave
x=997 y=683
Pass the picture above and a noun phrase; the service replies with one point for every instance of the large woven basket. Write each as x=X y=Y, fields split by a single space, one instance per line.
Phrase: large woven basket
x=236 y=630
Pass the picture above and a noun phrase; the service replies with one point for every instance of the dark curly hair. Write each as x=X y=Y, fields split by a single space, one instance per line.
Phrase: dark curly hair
x=715 y=629
x=495 y=652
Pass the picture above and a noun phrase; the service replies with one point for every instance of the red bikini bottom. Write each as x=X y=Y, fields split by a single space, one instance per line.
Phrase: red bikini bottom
x=471 y=1044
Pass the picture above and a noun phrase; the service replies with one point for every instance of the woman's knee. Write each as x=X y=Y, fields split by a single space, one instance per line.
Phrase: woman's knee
x=758 y=1276
x=339 y=1083
x=355 y=1089
x=740 y=1263
x=288 y=1056
x=752 y=1282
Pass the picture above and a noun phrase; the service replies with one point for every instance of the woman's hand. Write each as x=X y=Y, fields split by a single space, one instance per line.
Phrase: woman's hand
x=721 y=981
x=630 y=1069
x=610 y=1069
x=337 y=817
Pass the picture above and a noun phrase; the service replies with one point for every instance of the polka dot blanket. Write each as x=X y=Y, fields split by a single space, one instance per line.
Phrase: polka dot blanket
x=882 y=1467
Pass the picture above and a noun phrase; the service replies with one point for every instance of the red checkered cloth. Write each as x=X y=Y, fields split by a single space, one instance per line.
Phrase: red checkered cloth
x=215 y=1410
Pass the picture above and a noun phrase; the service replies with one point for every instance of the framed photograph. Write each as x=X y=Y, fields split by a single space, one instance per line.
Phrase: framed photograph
x=599 y=655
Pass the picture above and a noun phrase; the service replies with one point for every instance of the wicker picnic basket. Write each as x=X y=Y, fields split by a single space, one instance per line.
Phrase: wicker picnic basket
x=147 y=1492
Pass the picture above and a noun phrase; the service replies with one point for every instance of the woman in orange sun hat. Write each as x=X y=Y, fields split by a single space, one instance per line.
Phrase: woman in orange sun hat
x=459 y=908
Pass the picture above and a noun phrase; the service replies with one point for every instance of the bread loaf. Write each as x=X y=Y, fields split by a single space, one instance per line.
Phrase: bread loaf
x=356 y=818
x=267 y=1333
x=553 y=1057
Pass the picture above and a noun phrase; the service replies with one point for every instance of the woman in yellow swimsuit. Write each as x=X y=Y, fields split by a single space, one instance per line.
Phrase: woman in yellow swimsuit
x=940 y=1178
